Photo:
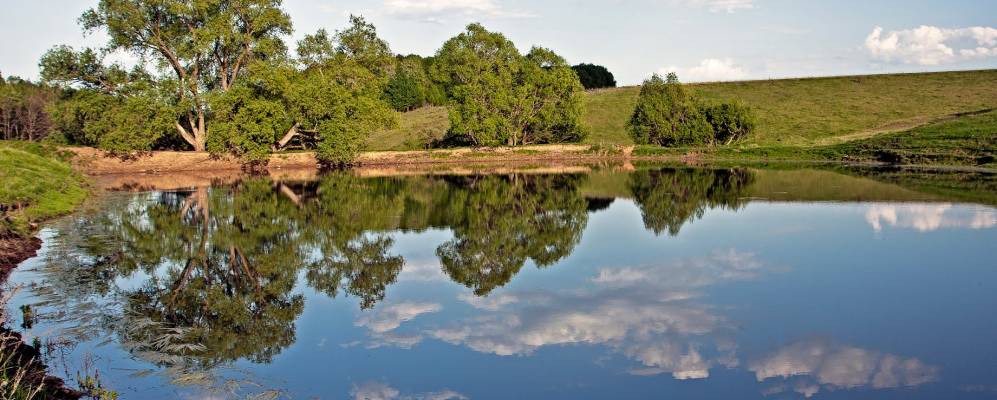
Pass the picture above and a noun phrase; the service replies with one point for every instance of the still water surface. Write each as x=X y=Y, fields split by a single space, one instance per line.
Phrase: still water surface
x=656 y=283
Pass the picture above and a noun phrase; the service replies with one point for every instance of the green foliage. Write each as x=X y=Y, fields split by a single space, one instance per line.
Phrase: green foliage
x=549 y=103
x=436 y=95
x=667 y=115
x=500 y=97
x=342 y=109
x=360 y=43
x=117 y=124
x=731 y=121
x=594 y=76
x=202 y=47
x=405 y=91
x=253 y=114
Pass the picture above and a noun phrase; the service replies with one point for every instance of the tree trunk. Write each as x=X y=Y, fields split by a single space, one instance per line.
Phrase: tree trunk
x=291 y=133
x=195 y=137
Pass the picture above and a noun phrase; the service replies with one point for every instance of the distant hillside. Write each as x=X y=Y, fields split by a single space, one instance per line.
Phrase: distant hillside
x=804 y=112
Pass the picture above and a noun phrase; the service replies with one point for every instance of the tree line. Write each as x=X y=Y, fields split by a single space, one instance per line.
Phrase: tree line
x=24 y=109
x=218 y=76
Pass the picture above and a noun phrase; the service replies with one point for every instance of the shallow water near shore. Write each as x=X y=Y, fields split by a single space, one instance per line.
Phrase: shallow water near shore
x=646 y=282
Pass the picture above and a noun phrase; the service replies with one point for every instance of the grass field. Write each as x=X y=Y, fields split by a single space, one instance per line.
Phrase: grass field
x=37 y=184
x=792 y=112
x=965 y=140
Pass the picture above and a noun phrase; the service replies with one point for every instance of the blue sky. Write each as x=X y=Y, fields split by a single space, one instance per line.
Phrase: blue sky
x=701 y=39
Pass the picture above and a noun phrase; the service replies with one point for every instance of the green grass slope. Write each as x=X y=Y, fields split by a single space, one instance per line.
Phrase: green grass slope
x=36 y=185
x=796 y=112
x=968 y=140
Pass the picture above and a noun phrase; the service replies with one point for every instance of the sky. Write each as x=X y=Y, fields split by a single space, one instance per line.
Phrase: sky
x=701 y=40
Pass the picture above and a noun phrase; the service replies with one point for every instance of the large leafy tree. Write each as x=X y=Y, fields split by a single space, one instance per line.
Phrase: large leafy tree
x=108 y=106
x=500 y=97
x=335 y=99
x=201 y=46
x=206 y=44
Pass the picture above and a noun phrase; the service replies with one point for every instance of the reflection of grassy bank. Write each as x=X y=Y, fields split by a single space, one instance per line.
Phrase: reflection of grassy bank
x=967 y=186
x=830 y=182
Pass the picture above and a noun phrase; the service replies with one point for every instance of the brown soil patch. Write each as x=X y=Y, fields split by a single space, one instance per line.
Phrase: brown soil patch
x=14 y=249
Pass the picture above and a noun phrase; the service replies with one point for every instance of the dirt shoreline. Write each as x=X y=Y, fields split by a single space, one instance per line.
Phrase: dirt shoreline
x=95 y=162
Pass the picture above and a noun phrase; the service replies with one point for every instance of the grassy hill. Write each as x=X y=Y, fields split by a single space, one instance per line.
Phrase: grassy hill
x=794 y=112
x=37 y=185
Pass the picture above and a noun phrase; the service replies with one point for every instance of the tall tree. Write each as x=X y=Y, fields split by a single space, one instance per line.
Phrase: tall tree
x=203 y=45
x=500 y=97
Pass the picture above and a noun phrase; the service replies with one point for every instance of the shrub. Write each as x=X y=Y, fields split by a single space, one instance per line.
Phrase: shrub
x=731 y=121
x=667 y=115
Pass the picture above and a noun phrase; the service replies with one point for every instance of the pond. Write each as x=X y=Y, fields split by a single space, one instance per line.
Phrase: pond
x=646 y=282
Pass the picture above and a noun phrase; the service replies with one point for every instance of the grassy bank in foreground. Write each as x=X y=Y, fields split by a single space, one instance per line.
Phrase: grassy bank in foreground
x=791 y=112
x=967 y=140
x=37 y=184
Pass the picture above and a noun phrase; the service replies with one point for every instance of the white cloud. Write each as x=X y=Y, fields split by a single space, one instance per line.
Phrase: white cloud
x=709 y=70
x=491 y=303
x=438 y=11
x=391 y=317
x=382 y=391
x=835 y=366
x=931 y=45
x=374 y=391
x=928 y=217
x=649 y=314
x=428 y=270
x=727 y=6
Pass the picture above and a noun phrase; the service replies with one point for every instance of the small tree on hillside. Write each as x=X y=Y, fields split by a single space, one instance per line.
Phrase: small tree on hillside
x=667 y=115
x=594 y=76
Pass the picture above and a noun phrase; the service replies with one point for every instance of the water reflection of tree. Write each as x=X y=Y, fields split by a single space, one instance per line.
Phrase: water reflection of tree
x=500 y=222
x=219 y=276
x=211 y=273
x=668 y=198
